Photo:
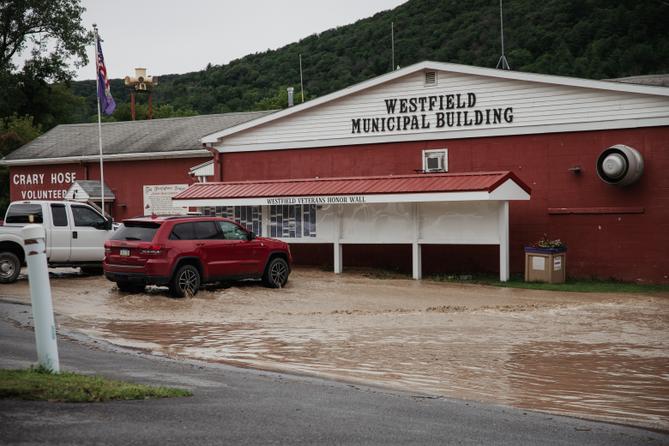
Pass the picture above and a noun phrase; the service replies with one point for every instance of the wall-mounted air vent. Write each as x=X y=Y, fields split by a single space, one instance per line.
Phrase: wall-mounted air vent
x=620 y=165
x=430 y=78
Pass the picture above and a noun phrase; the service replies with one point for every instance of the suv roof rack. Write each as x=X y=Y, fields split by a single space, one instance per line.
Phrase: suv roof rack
x=172 y=217
x=167 y=217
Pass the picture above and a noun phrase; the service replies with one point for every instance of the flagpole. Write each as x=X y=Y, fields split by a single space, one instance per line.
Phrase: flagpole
x=97 y=94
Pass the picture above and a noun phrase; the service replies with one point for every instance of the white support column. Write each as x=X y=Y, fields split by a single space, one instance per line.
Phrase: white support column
x=338 y=260
x=503 y=227
x=416 y=261
x=338 y=251
x=265 y=221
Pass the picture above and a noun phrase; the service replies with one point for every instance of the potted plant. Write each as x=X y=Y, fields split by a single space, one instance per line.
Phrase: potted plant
x=547 y=245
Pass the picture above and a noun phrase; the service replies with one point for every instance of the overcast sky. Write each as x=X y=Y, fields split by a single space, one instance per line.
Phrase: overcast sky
x=181 y=36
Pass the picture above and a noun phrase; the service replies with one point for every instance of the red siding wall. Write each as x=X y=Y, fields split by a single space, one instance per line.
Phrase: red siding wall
x=125 y=178
x=622 y=246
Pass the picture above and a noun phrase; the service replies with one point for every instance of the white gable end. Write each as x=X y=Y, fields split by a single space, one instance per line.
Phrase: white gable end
x=77 y=193
x=459 y=105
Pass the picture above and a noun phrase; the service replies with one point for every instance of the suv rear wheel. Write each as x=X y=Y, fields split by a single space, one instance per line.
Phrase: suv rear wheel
x=276 y=273
x=185 y=282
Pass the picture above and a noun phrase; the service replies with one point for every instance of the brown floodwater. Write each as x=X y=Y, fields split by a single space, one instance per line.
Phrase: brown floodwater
x=484 y=360
x=599 y=356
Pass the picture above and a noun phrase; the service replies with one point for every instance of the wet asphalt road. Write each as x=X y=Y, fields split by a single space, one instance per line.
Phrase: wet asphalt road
x=239 y=406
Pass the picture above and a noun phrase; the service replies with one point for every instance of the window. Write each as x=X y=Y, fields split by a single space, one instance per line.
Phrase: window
x=24 y=213
x=59 y=215
x=292 y=221
x=84 y=216
x=249 y=217
x=206 y=230
x=232 y=232
x=435 y=160
x=140 y=231
x=183 y=231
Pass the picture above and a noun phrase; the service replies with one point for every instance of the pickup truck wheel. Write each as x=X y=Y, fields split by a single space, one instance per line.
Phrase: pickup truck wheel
x=129 y=287
x=276 y=273
x=185 y=282
x=10 y=267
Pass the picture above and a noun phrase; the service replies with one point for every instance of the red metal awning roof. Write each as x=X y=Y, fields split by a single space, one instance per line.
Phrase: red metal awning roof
x=391 y=184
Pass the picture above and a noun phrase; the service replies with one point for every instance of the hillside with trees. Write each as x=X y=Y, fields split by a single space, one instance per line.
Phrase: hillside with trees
x=584 y=38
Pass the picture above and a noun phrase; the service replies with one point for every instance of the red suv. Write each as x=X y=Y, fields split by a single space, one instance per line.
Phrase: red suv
x=184 y=252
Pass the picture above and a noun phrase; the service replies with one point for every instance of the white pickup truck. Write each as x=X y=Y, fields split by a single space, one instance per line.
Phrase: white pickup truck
x=75 y=235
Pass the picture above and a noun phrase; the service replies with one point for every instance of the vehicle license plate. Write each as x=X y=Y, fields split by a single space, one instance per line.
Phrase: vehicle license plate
x=125 y=252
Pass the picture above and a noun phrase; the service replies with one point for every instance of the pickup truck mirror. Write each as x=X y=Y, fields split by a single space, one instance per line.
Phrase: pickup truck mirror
x=105 y=225
x=252 y=235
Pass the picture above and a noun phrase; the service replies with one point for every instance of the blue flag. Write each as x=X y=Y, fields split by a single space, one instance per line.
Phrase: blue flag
x=107 y=103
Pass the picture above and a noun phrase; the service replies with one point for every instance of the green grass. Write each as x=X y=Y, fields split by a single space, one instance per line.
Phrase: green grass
x=517 y=281
x=574 y=285
x=39 y=384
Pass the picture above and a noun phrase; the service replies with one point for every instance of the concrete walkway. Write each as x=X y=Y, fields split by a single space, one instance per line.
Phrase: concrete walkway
x=239 y=406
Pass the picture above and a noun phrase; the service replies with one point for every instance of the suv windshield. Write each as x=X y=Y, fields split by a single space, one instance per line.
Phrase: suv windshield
x=136 y=230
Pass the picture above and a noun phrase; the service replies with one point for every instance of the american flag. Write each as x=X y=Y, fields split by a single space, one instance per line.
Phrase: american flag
x=107 y=103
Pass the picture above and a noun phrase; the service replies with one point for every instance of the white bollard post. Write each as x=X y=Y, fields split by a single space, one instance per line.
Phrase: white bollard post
x=40 y=296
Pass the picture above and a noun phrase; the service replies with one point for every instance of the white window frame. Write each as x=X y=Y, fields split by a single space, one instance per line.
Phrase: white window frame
x=428 y=154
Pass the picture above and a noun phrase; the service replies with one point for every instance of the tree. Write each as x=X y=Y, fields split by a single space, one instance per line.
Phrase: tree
x=123 y=113
x=49 y=37
x=36 y=96
x=15 y=131
x=50 y=29
x=280 y=100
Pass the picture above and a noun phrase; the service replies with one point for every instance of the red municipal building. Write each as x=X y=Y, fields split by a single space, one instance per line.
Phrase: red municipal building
x=433 y=168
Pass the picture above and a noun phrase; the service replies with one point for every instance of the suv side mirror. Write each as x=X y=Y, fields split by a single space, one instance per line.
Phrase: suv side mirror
x=252 y=235
x=109 y=224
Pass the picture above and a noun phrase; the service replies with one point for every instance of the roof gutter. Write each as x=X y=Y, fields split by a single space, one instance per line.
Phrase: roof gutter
x=112 y=157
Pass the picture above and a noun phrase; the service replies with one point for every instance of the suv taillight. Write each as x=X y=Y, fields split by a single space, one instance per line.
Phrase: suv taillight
x=151 y=250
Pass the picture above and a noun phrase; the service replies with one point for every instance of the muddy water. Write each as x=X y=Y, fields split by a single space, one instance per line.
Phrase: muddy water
x=598 y=379
x=590 y=355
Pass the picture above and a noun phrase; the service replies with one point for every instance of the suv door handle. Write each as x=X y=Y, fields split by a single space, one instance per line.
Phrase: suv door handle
x=199 y=244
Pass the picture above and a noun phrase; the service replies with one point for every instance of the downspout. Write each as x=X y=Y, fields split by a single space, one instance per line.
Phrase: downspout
x=218 y=162
x=84 y=166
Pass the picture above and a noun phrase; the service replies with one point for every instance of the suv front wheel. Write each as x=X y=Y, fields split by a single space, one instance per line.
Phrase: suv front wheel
x=276 y=273
x=185 y=282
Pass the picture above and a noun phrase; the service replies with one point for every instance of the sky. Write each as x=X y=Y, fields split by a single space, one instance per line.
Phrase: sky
x=171 y=36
